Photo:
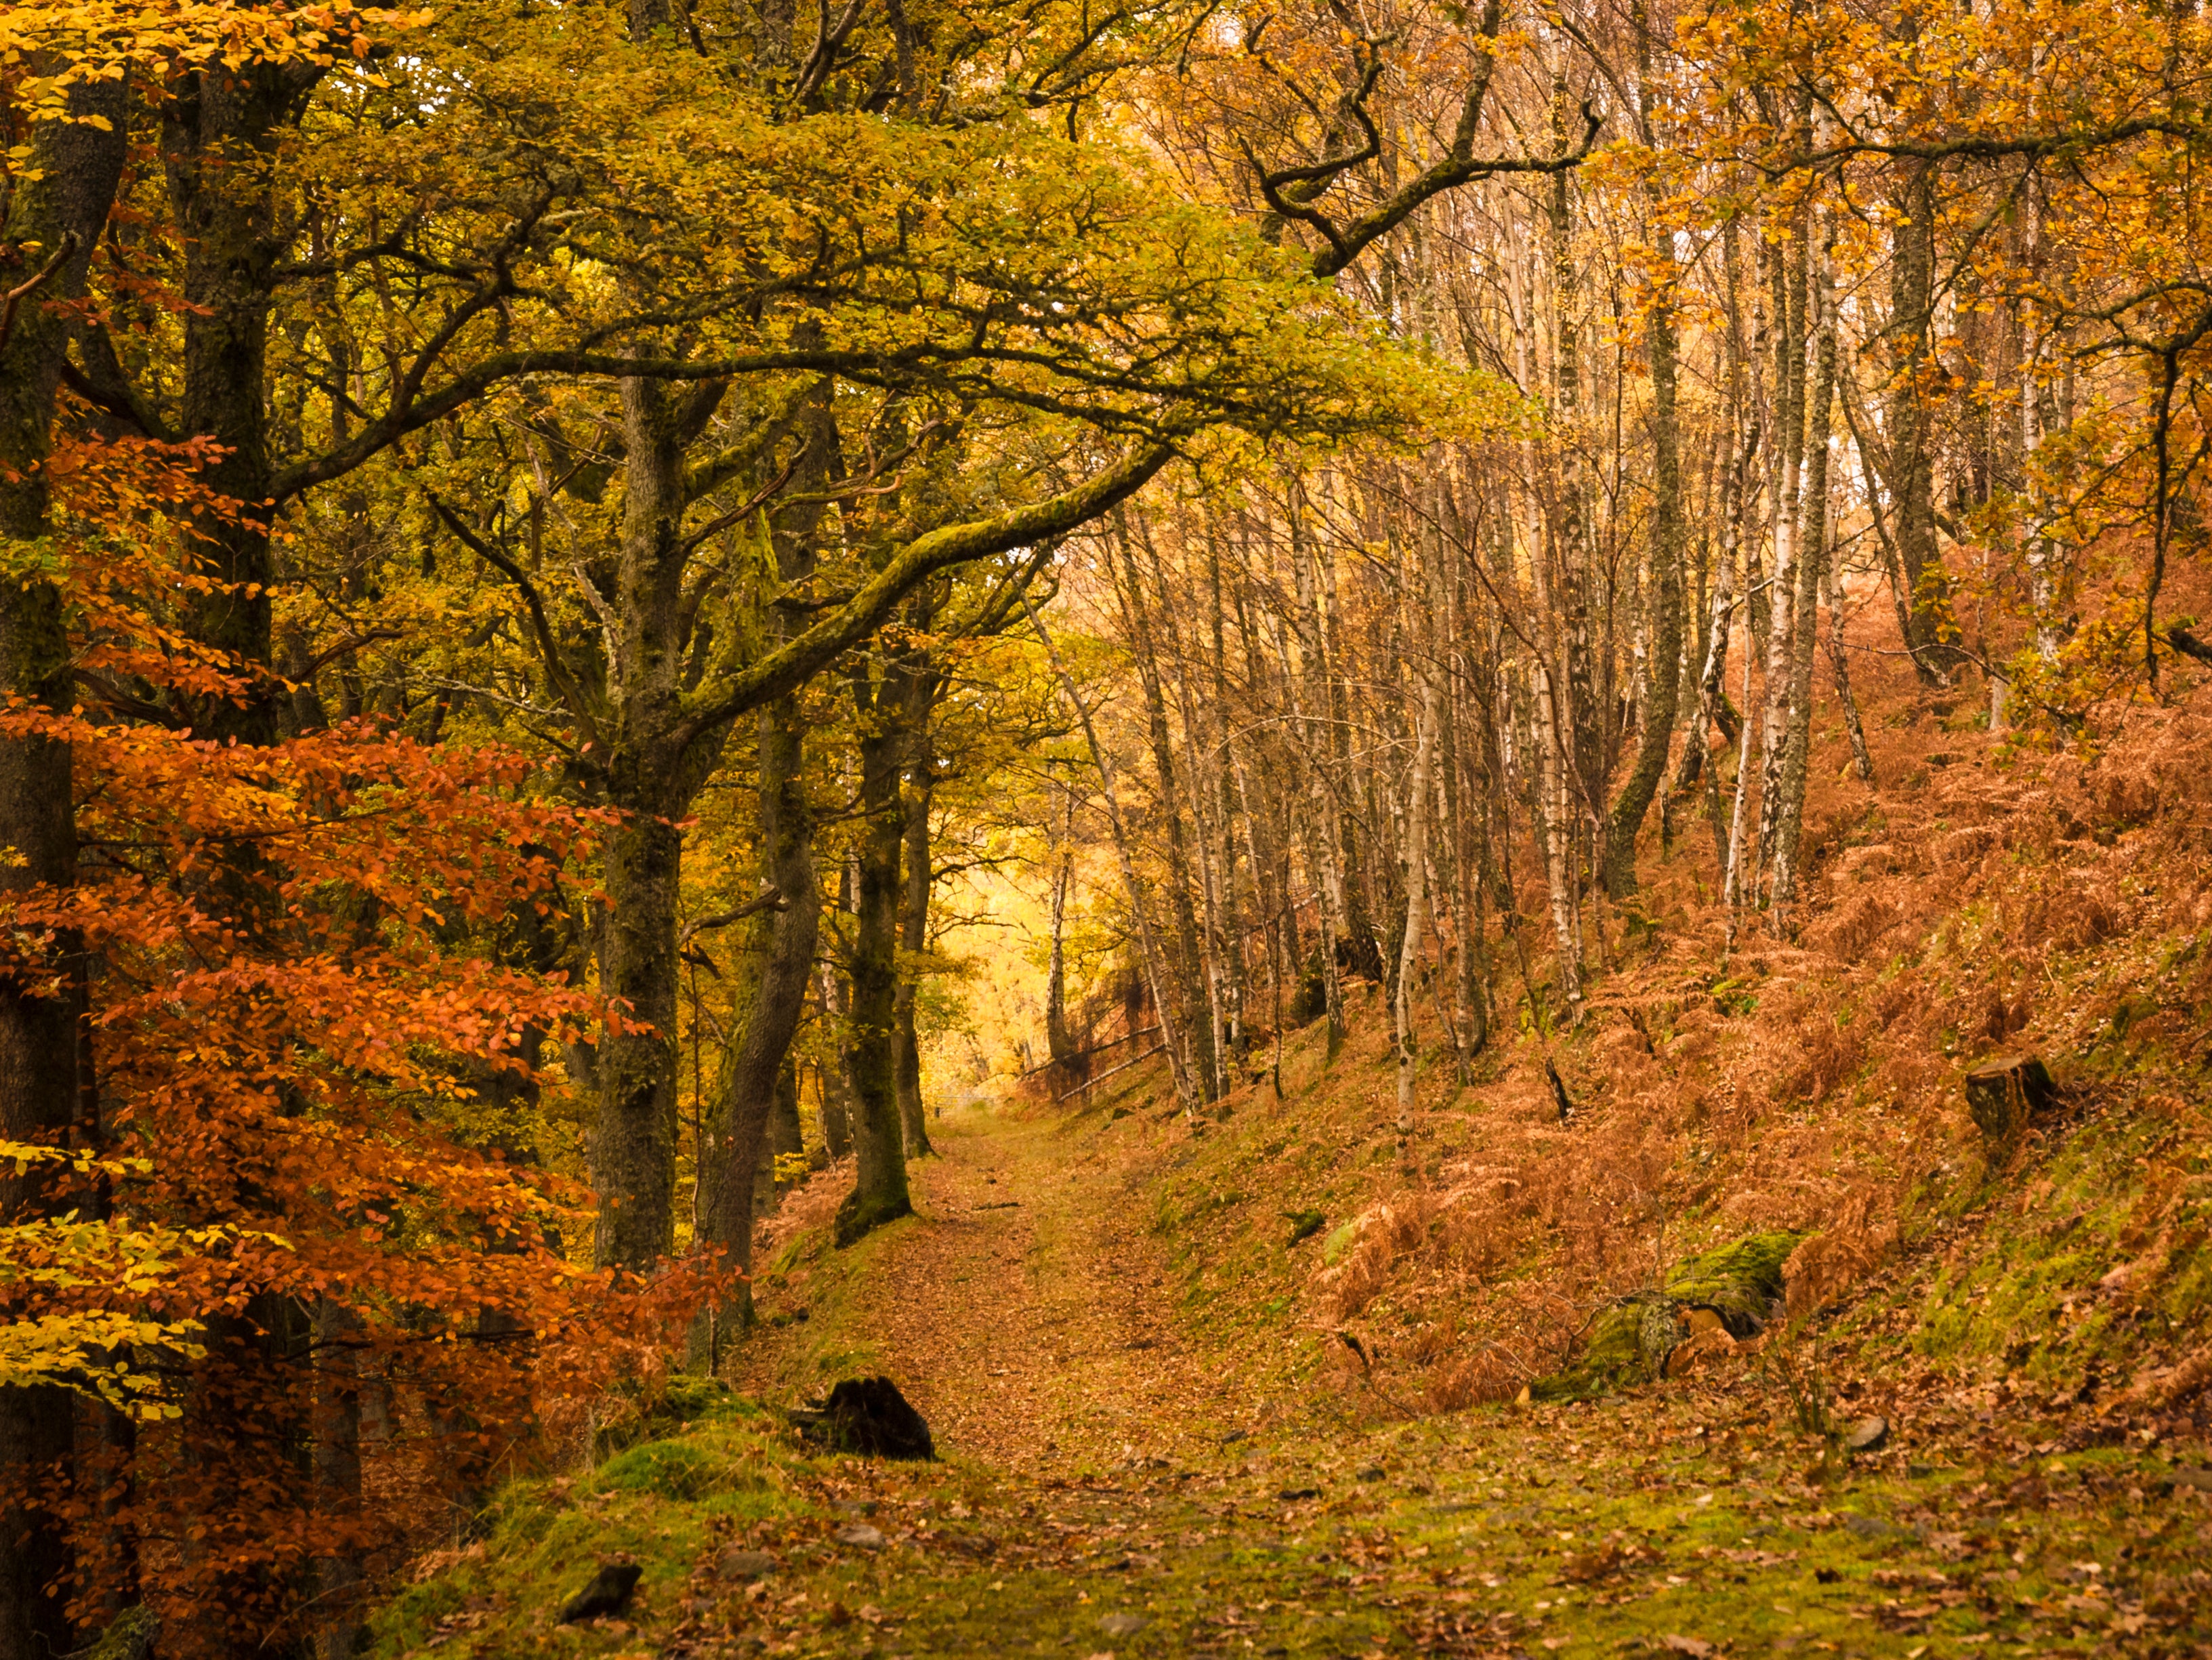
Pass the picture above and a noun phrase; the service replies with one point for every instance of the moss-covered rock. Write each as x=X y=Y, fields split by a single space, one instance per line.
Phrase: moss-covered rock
x=1612 y=1354
x=1740 y=1282
x=1628 y=1341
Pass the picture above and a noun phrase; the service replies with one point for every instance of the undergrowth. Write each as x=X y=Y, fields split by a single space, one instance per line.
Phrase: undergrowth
x=2002 y=900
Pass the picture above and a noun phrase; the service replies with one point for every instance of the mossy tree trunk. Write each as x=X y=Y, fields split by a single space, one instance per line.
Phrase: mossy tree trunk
x=879 y=1191
x=749 y=1081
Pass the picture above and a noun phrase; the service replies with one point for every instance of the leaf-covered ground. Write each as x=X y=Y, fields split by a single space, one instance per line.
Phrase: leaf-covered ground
x=1122 y=1473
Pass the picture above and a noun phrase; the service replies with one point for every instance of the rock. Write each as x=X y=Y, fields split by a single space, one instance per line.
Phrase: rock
x=868 y=1416
x=1739 y=1285
x=1867 y=1435
x=2005 y=1093
x=864 y=1535
x=1124 y=1624
x=608 y=1593
x=1304 y=1224
x=745 y=1565
x=2193 y=1480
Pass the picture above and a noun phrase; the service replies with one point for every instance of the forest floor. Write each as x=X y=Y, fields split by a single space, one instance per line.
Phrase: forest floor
x=1121 y=1474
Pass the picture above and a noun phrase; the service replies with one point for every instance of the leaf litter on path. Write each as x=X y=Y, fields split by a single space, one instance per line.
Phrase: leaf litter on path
x=1114 y=1467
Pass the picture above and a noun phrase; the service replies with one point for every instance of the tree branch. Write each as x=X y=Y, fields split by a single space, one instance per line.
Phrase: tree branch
x=548 y=648
x=792 y=663
x=22 y=291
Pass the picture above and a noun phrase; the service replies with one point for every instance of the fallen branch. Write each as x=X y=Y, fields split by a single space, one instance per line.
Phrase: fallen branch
x=1110 y=1071
x=1096 y=1049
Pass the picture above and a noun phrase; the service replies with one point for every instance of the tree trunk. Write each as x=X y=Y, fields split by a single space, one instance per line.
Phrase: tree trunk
x=1787 y=275
x=879 y=1191
x=1812 y=561
x=1463 y=822
x=1910 y=426
x=1060 y=1042
x=782 y=1141
x=634 y=1147
x=634 y=1143
x=830 y=1076
x=339 y=1576
x=752 y=1063
x=1415 y=855
x=1323 y=823
x=1576 y=718
x=1840 y=664
x=1663 y=678
x=914 y=907
x=62 y=202
x=1192 y=1013
x=1230 y=951
x=220 y=136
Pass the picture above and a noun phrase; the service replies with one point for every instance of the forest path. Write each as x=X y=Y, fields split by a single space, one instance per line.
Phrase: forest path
x=1027 y=1309
x=1113 y=1485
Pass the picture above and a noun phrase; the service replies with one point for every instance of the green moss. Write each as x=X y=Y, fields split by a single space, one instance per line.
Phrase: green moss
x=1740 y=1281
x=1613 y=1356
x=1628 y=1342
x=671 y=1469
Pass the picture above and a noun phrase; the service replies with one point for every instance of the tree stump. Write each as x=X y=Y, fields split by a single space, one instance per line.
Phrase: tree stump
x=2005 y=1093
x=870 y=1417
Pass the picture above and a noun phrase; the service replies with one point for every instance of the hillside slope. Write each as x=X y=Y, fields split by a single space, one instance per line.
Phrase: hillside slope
x=1139 y=1458
x=1244 y=1382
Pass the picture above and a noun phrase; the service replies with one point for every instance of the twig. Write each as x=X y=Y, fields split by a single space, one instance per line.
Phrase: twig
x=17 y=294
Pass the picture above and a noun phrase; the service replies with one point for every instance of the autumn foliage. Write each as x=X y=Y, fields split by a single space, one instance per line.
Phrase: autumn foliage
x=305 y=1211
